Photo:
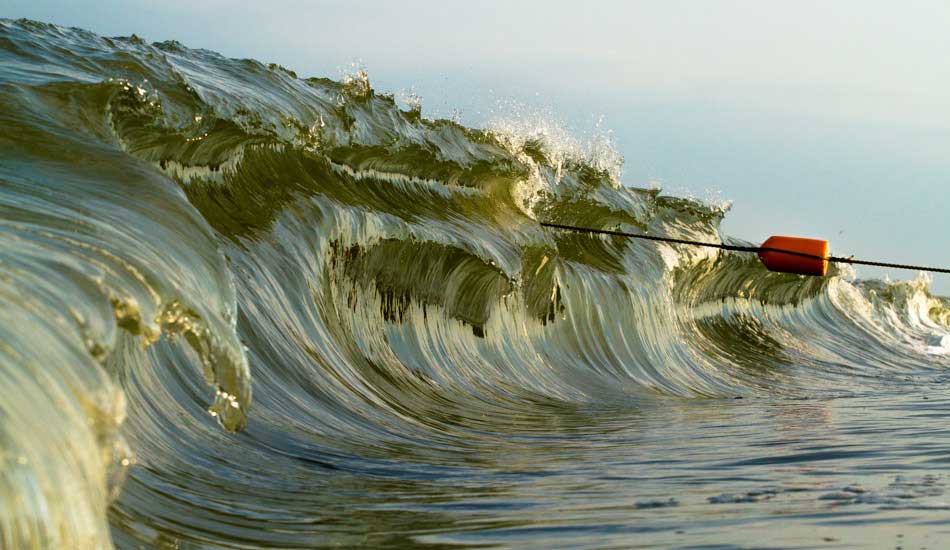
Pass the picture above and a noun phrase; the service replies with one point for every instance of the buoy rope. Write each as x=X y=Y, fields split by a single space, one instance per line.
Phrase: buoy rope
x=734 y=248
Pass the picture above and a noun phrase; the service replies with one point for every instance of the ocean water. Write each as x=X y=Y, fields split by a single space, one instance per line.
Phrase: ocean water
x=244 y=309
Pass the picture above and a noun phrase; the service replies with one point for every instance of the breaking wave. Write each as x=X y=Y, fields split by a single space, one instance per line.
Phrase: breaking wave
x=178 y=229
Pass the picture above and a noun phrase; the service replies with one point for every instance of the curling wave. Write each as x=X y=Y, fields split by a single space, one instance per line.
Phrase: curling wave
x=177 y=228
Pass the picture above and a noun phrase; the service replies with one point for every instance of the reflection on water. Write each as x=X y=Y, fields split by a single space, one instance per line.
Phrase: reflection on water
x=849 y=471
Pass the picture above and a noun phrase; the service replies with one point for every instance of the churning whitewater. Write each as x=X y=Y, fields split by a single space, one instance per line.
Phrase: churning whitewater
x=240 y=308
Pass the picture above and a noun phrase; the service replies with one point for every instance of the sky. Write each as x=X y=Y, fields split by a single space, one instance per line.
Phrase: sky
x=825 y=119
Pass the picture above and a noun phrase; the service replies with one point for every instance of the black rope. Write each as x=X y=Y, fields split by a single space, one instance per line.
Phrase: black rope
x=838 y=259
x=756 y=249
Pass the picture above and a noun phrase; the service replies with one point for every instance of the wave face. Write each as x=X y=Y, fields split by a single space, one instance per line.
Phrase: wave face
x=428 y=364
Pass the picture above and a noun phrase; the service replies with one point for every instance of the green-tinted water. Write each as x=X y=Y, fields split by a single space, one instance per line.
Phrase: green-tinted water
x=393 y=352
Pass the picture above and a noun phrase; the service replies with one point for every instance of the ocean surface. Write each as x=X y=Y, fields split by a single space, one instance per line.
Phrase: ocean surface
x=244 y=309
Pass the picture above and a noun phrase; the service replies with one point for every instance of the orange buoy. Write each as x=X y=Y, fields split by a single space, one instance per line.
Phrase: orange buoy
x=795 y=255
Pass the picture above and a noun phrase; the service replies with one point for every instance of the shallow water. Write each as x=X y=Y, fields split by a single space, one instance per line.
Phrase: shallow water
x=848 y=472
x=244 y=309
